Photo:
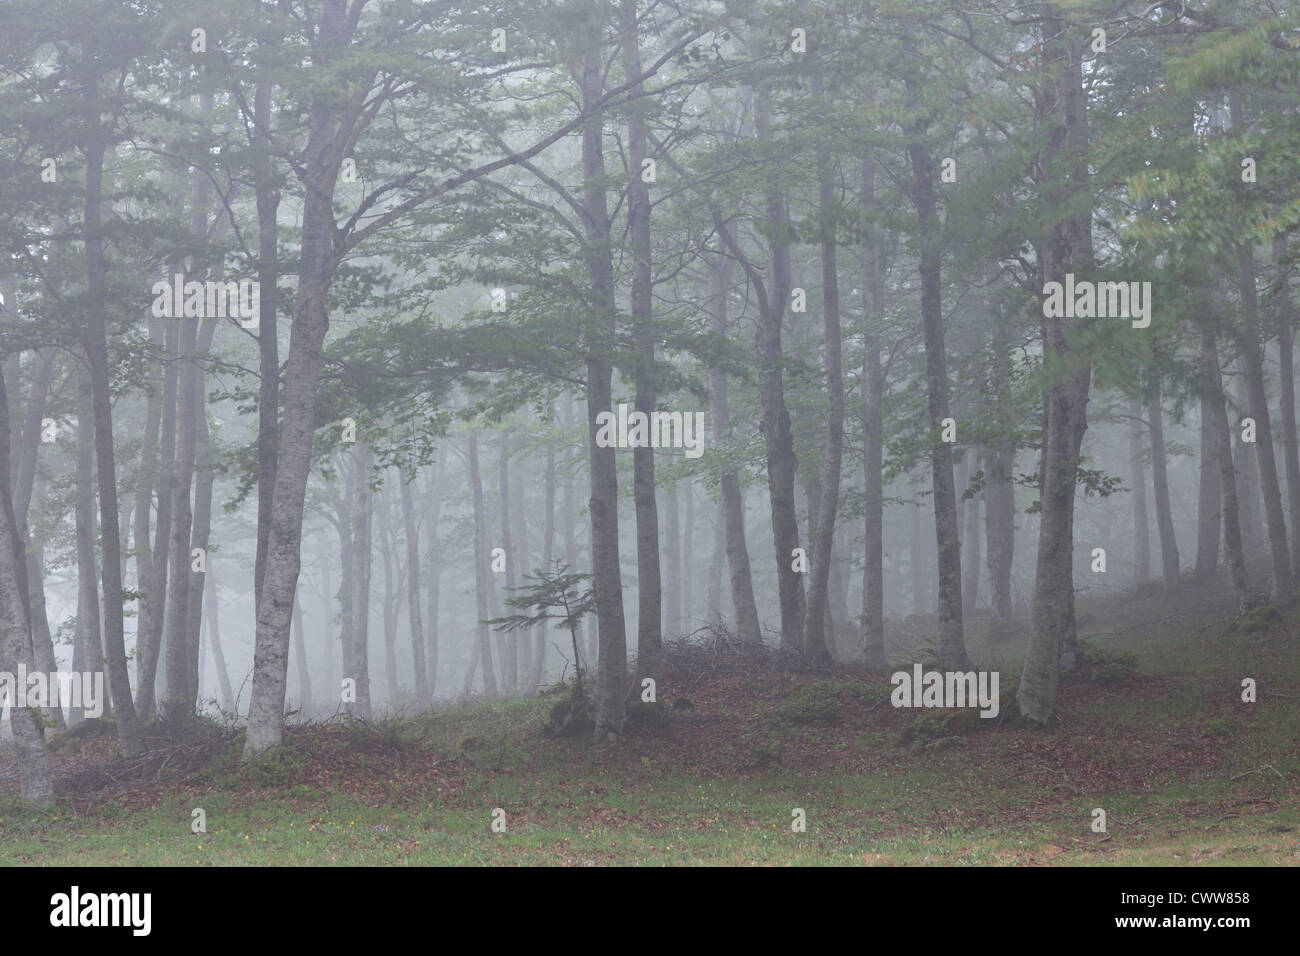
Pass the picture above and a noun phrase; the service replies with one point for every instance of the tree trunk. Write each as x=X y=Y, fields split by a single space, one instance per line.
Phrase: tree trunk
x=96 y=344
x=481 y=572
x=673 y=551
x=817 y=624
x=363 y=520
x=1141 y=523
x=507 y=644
x=1286 y=388
x=157 y=587
x=1160 y=483
x=1232 y=531
x=300 y=659
x=1252 y=357
x=611 y=666
x=970 y=586
x=204 y=478
x=149 y=603
x=214 y=638
x=775 y=424
x=999 y=489
x=686 y=566
x=649 y=642
x=1209 y=496
x=35 y=782
x=178 y=705
x=268 y=274
x=413 y=588
x=435 y=572
x=730 y=502
x=952 y=647
x=873 y=432
x=89 y=635
x=1061 y=106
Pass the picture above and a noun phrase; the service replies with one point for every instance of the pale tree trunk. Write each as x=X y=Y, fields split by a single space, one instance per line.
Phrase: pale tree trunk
x=1252 y=357
x=1232 y=532
x=1061 y=106
x=999 y=489
x=328 y=134
x=305 y=703
x=204 y=478
x=537 y=653
x=775 y=425
x=413 y=588
x=970 y=586
x=570 y=515
x=214 y=638
x=611 y=682
x=268 y=274
x=1160 y=484
x=363 y=519
x=817 y=624
x=1248 y=478
x=346 y=512
x=149 y=604
x=1209 y=494
x=435 y=573
x=952 y=648
x=920 y=569
x=177 y=706
x=1286 y=388
x=157 y=586
x=1141 y=523
x=35 y=782
x=507 y=644
x=89 y=635
x=391 y=597
x=519 y=525
x=649 y=642
x=713 y=598
x=29 y=443
x=686 y=566
x=483 y=646
x=96 y=345
x=731 y=504
x=673 y=551
x=873 y=430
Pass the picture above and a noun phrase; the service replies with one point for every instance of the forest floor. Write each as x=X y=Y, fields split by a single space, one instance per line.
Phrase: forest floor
x=1152 y=729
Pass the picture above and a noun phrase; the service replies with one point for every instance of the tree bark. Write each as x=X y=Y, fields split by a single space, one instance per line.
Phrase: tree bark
x=611 y=666
x=952 y=647
x=96 y=345
x=649 y=642
x=481 y=572
x=1160 y=483
x=1141 y=523
x=778 y=438
x=413 y=589
x=1209 y=494
x=817 y=622
x=873 y=433
x=214 y=637
x=730 y=501
x=1285 y=317
x=35 y=782
x=507 y=644
x=1061 y=106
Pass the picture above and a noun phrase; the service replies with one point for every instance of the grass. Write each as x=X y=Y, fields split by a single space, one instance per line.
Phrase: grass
x=1158 y=737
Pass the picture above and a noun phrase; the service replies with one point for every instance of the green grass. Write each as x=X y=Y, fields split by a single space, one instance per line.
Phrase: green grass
x=1187 y=773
